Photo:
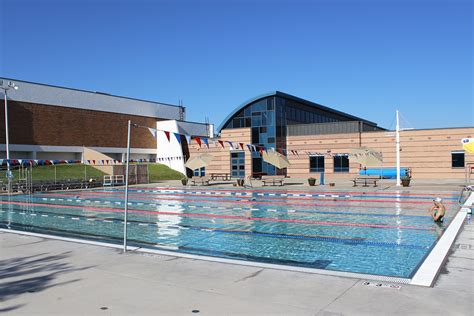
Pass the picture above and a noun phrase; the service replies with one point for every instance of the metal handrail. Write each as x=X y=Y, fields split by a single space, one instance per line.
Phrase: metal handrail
x=469 y=189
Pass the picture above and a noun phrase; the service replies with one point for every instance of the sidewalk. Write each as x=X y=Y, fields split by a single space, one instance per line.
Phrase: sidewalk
x=44 y=276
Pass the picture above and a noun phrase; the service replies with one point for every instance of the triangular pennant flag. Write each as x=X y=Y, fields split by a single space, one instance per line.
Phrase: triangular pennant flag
x=188 y=138
x=167 y=135
x=230 y=144
x=178 y=137
x=221 y=142
x=152 y=131
x=198 y=140
x=241 y=146
x=249 y=147
x=206 y=141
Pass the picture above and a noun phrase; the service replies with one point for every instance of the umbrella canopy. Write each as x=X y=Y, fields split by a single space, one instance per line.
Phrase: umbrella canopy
x=198 y=162
x=468 y=145
x=276 y=159
x=366 y=156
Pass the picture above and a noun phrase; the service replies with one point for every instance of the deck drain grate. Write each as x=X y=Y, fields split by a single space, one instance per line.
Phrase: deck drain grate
x=383 y=285
x=195 y=311
x=464 y=246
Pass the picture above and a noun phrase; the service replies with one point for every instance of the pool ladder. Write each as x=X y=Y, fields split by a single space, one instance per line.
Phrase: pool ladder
x=465 y=193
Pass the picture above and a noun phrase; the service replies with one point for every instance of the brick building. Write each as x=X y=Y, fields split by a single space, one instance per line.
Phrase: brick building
x=50 y=122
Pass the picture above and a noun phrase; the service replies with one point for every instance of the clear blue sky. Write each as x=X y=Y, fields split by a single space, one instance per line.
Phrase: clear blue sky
x=367 y=58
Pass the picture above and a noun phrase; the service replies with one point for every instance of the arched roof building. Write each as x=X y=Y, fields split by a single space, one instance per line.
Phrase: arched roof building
x=268 y=115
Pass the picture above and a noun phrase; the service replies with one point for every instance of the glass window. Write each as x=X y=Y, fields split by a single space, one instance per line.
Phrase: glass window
x=255 y=135
x=248 y=111
x=247 y=122
x=457 y=159
x=316 y=164
x=200 y=172
x=256 y=121
x=270 y=118
x=259 y=106
x=237 y=165
x=236 y=122
x=341 y=163
x=269 y=104
x=264 y=118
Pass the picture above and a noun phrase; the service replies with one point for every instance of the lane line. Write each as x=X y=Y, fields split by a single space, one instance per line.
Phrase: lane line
x=200 y=215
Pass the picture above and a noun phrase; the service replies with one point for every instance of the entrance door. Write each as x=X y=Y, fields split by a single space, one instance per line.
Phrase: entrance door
x=237 y=164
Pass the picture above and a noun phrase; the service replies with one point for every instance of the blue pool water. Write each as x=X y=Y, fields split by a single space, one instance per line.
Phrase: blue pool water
x=375 y=233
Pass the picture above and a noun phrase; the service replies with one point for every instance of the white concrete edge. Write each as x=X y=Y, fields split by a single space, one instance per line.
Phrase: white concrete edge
x=430 y=268
x=220 y=260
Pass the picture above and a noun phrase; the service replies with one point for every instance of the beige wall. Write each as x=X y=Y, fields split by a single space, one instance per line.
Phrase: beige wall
x=426 y=152
x=221 y=162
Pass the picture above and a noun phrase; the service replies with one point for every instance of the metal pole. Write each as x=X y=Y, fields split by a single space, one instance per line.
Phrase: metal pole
x=7 y=144
x=126 y=190
x=398 y=148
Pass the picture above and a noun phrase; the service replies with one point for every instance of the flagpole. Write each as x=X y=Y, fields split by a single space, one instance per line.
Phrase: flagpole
x=126 y=190
x=398 y=148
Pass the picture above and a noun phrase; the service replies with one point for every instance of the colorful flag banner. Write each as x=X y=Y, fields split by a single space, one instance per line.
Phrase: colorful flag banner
x=152 y=131
x=198 y=140
x=178 y=137
x=206 y=141
x=188 y=139
x=167 y=135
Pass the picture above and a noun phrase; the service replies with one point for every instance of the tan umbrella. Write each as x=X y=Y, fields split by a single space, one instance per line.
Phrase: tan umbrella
x=198 y=162
x=276 y=159
x=366 y=156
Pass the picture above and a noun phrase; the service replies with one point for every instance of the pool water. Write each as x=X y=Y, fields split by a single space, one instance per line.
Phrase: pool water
x=374 y=233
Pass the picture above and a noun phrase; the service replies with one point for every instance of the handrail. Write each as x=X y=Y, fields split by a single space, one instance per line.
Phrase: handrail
x=469 y=189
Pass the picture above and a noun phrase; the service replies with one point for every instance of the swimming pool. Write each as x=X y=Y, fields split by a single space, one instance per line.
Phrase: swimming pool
x=381 y=233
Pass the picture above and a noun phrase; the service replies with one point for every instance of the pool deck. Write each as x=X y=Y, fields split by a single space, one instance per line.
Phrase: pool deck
x=46 y=276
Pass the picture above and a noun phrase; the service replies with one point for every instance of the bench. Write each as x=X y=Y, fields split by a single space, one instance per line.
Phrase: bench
x=365 y=180
x=273 y=180
x=200 y=180
x=223 y=176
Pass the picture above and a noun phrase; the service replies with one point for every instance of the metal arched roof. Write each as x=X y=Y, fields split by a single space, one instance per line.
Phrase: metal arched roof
x=291 y=97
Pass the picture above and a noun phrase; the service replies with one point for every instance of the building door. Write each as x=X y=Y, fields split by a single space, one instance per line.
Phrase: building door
x=237 y=164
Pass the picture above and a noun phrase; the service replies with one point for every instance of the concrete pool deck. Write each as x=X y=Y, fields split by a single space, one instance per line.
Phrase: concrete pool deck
x=45 y=276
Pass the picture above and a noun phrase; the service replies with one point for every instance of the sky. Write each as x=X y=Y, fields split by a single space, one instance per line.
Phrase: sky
x=367 y=58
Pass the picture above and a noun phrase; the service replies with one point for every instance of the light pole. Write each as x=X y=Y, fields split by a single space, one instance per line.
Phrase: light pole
x=130 y=125
x=10 y=85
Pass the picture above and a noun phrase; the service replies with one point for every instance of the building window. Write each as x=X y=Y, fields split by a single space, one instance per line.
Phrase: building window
x=457 y=159
x=200 y=172
x=237 y=164
x=316 y=164
x=341 y=163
